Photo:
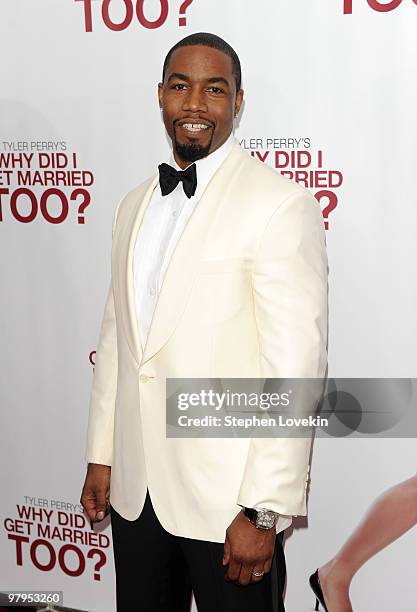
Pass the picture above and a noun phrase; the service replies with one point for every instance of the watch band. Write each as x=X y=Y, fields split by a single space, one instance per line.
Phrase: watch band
x=250 y=513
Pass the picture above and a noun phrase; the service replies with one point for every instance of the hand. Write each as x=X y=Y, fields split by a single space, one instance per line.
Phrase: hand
x=96 y=491
x=247 y=548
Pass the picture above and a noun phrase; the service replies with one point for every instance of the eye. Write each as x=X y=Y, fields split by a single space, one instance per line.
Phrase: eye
x=215 y=89
x=178 y=86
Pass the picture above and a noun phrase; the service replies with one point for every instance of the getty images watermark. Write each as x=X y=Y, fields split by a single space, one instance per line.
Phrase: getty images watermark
x=263 y=402
x=291 y=407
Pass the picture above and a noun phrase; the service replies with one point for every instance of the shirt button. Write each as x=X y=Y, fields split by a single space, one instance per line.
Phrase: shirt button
x=143 y=378
x=175 y=213
x=152 y=291
x=161 y=251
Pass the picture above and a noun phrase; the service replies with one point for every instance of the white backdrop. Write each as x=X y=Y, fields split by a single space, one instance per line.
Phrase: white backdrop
x=334 y=79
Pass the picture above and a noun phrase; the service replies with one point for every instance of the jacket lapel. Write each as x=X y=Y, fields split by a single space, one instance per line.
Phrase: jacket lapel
x=128 y=238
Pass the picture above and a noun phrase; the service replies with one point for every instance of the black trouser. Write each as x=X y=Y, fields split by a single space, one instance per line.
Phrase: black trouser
x=157 y=571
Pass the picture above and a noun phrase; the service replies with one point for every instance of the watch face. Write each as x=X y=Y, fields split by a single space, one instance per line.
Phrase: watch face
x=265 y=520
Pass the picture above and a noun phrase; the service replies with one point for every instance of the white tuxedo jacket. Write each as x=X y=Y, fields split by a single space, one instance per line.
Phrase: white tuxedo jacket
x=244 y=295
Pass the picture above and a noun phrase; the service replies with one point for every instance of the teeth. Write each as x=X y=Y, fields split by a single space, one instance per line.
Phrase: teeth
x=194 y=127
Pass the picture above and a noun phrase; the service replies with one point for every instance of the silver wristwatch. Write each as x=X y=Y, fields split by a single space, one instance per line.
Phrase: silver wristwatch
x=261 y=518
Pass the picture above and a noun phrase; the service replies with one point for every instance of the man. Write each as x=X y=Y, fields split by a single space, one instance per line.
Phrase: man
x=219 y=269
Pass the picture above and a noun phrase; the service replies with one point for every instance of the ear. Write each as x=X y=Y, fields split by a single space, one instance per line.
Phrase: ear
x=160 y=94
x=238 y=101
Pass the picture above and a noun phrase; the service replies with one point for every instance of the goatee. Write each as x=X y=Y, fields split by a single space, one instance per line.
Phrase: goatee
x=191 y=152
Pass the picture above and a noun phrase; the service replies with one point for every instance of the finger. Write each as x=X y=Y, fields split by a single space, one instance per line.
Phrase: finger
x=267 y=565
x=233 y=570
x=101 y=505
x=245 y=574
x=258 y=567
x=95 y=504
x=89 y=505
x=226 y=552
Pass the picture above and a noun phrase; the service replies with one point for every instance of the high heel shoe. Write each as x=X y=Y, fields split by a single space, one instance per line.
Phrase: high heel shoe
x=315 y=585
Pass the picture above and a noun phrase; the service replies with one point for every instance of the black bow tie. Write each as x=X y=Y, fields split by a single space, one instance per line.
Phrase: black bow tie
x=169 y=178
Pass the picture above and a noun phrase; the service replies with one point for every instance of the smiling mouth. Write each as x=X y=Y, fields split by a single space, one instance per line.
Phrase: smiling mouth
x=194 y=128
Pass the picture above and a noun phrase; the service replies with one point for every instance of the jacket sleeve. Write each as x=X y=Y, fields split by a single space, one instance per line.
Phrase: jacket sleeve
x=290 y=297
x=99 y=448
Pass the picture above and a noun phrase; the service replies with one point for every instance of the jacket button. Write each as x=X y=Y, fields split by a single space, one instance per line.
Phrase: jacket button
x=143 y=378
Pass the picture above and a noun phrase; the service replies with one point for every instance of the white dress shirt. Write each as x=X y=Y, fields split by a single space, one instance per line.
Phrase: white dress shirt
x=162 y=225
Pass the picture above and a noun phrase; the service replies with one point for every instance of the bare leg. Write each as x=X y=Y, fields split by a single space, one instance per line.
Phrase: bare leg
x=393 y=513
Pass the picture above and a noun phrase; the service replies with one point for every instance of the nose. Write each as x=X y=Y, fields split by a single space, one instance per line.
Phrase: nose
x=194 y=101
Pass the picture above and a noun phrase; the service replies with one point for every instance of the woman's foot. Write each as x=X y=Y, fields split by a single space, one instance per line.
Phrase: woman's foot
x=335 y=582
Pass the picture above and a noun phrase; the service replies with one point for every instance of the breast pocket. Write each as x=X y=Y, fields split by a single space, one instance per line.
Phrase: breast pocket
x=224 y=266
x=228 y=282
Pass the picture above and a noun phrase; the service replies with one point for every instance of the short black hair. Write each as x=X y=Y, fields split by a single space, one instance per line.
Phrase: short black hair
x=208 y=40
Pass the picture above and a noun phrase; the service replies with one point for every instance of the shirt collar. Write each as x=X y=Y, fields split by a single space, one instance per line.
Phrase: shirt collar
x=207 y=166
